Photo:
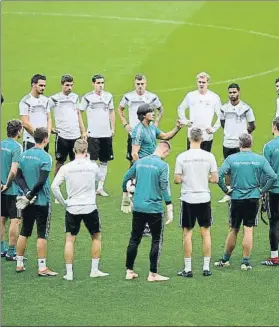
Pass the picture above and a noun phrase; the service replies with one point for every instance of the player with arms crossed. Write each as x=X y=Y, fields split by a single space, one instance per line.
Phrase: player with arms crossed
x=236 y=117
x=80 y=176
x=34 y=111
x=203 y=104
x=133 y=100
x=68 y=121
x=152 y=187
x=194 y=169
x=98 y=105
x=10 y=155
x=271 y=153
x=33 y=178
x=246 y=169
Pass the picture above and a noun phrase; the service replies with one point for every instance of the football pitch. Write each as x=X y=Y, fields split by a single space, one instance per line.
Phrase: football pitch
x=169 y=42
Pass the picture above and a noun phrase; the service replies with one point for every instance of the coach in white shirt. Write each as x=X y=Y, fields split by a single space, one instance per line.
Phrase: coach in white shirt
x=203 y=104
x=194 y=169
x=79 y=176
x=34 y=111
x=236 y=117
x=277 y=101
x=132 y=100
x=98 y=105
x=68 y=121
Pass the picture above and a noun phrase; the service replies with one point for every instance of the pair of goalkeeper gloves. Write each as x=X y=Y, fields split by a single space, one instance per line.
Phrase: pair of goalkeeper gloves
x=24 y=200
x=127 y=205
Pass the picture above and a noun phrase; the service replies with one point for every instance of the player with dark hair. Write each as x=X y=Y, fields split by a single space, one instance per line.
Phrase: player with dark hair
x=144 y=136
x=34 y=111
x=246 y=169
x=10 y=155
x=33 y=179
x=132 y=100
x=236 y=117
x=98 y=105
x=148 y=207
x=271 y=153
x=68 y=121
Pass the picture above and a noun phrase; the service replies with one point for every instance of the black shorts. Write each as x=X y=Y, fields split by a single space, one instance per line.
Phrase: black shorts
x=63 y=148
x=228 y=151
x=129 y=148
x=100 y=148
x=40 y=214
x=243 y=211
x=205 y=145
x=273 y=206
x=91 y=221
x=190 y=212
x=8 y=206
x=28 y=145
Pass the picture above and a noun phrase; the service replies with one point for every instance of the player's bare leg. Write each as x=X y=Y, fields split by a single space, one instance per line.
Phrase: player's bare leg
x=96 y=253
x=13 y=234
x=69 y=255
x=103 y=175
x=187 y=240
x=229 y=247
x=247 y=244
x=43 y=270
x=2 y=233
x=206 y=249
x=20 y=249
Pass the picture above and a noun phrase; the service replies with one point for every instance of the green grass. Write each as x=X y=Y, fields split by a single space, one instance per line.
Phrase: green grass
x=170 y=54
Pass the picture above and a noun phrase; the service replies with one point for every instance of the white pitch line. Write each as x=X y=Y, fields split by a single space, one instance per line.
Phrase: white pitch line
x=140 y=19
x=162 y=21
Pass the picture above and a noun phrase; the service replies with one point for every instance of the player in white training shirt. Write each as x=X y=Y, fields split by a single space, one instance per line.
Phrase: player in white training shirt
x=203 y=104
x=34 y=111
x=277 y=101
x=194 y=169
x=236 y=117
x=98 y=105
x=80 y=176
x=132 y=100
x=68 y=121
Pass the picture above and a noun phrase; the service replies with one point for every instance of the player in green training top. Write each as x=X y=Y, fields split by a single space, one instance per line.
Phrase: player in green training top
x=144 y=137
x=33 y=178
x=271 y=153
x=10 y=156
x=246 y=170
x=152 y=187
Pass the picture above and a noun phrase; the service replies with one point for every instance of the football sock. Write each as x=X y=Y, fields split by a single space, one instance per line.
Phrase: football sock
x=226 y=257
x=245 y=260
x=103 y=174
x=69 y=268
x=3 y=246
x=11 y=251
x=206 y=262
x=274 y=254
x=188 y=264
x=95 y=264
x=19 y=261
x=42 y=264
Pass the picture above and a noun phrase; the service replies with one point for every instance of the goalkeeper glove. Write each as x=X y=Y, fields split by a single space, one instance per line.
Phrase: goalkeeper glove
x=126 y=205
x=169 y=213
x=23 y=201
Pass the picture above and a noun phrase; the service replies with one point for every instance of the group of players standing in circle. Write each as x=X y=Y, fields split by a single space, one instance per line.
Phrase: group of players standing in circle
x=244 y=177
